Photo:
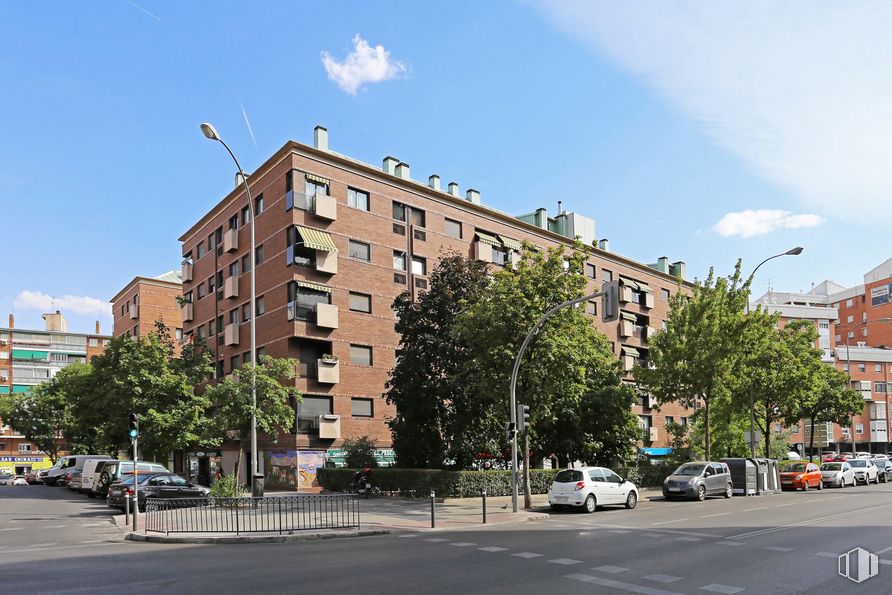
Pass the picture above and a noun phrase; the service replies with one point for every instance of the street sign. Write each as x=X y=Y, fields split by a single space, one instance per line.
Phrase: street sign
x=746 y=437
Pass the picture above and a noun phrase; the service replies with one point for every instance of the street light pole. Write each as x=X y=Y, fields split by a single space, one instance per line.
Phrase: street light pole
x=526 y=342
x=211 y=133
x=791 y=252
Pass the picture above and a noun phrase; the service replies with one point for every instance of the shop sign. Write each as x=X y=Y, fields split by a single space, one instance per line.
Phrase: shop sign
x=21 y=459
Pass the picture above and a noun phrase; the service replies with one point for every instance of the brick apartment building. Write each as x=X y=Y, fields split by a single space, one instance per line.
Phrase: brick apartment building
x=27 y=358
x=147 y=300
x=337 y=241
x=854 y=325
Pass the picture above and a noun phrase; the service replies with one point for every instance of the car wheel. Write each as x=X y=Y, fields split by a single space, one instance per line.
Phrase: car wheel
x=631 y=500
x=554 y=507
x=805 y=486
x=729 y=491
x=701 y=493
x=590 y=503
x=821 y=484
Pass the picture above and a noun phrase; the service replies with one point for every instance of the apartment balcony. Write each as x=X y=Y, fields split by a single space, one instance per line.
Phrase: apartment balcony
x=230 y=240
x=230 y=334
x=186 y=311
x=626 y=328
x=230 y=288
x=187 y=272
x=134 y=311
x=326 y=207
x=329 y=426
x=328 y=371
x=327 y=316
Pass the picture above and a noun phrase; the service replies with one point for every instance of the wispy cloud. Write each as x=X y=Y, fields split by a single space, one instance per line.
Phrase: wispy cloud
x=799 y=89
x=365 y=64
x=79 y=304
x=751 y=223
x=248 y=124
x=141 y=9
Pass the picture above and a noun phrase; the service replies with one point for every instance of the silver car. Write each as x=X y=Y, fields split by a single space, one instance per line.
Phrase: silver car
x=837 y=475
x=865 y=471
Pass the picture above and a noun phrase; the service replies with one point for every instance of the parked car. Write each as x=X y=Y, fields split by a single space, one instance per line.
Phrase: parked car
x=802 y=475
x=19 y=480
x=865 y=471
x=64 y=465
x=792 y=455
x=828 y=456
x=6 y=479
x=74 y=480
x=591 y=487
x=112 y=471
x=838 y=475
x=843 y=457
x=33 y=477
x=89 y=475
x=884 y=469
x=159 y=485
x=699 y=480
x=863 y=455
x=62 y=480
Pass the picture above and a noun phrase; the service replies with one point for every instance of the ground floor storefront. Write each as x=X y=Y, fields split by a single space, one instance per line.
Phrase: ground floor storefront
x=20 y=465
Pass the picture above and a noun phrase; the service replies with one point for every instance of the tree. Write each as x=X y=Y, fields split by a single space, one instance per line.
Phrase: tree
x=425 y=384
x=360 y=452
x=232 y=401
x=833 y=401
x=694 y=357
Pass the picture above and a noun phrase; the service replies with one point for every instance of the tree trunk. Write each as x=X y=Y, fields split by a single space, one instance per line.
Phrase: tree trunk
x=706 y=426
x=811 y=441
x=527 y=497
x=767 y=437
x=238 y=465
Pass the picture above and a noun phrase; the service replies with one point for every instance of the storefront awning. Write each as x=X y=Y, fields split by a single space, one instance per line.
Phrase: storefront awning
x=655 y=452
x=645 y=288
x=510 y=243
x=314 y=286
x=317 y=179
x=316 y=239
x=628 y=316
x=487 y=239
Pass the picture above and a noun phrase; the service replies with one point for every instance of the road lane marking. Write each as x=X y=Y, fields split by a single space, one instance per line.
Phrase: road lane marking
x=662 y=578
x=778 y=548
x=689 y=539
x=653 y=535
x=756 y=508
x=730 y=543
x=436 y=539
x=606 y=582
x=408 y=536
x=717 y=588
x=28 y=547
x=618 y=531
x=808 y=522
x=827 y=554
x=706 y=516
x=52 y=527
x=668 y=522
x=13 y=529
x=565 y=561
x=463 y=544
x=788 y=504
x=492 y=548
x=669 y=531
x=526 y=555
x=610 y=569
x=884 y=550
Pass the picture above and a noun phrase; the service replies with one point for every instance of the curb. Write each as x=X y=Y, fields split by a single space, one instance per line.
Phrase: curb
x=226 y=539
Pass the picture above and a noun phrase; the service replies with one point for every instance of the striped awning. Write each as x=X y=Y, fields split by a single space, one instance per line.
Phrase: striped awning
x=316 y=240
x=628 y=282
x=317 y=179
x=628 y=316
x=645 y=288
x=510 y=243
x=487 y=239
x=630 y=351
x=314 y=286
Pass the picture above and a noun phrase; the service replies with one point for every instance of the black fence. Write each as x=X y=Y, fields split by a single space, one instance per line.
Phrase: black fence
x=282 y=514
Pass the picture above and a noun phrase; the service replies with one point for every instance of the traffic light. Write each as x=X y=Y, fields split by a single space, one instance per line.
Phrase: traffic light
x=510 y=429
x=133 y=432
x=523 y=418
x=610 y=301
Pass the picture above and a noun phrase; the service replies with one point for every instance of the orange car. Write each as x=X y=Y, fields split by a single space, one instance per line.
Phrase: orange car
x=802 y=475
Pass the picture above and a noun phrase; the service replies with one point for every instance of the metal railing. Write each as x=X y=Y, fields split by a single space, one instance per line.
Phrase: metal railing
x=278 y=514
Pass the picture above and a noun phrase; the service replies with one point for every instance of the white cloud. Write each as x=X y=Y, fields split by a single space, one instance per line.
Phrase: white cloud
x=751 y=223
x=798 y=89
x=365 y=64
x=79 y=304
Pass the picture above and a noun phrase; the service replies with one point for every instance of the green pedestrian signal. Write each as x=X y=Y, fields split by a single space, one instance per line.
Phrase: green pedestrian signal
x=133 y=432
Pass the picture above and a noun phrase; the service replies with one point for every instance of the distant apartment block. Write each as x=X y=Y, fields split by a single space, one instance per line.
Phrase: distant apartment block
x=147 y=300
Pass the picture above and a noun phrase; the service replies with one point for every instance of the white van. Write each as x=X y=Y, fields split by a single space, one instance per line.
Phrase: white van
x=66 y=464
x=110 y=471
x=87 y=477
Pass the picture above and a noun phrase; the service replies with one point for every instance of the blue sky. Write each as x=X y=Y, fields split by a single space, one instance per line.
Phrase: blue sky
x=659 y=121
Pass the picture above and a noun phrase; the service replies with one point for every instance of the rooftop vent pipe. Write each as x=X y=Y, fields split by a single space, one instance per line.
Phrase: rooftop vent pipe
x=434 y=181
x=320 y=138
x=389 y=165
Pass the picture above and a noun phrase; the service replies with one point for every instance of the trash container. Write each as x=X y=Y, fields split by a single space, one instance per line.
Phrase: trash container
x=743 y=476
x=769 y=476
x=258 y=485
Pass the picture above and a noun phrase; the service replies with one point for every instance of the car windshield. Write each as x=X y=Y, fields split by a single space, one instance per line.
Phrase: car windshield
x=858 y=463
x=690 y=469
x=568 y=475
x=794 y=467
x=831 y=466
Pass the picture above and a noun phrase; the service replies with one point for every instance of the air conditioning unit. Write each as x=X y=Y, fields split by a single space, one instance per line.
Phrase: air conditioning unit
x=654 y=434
x=329 y=426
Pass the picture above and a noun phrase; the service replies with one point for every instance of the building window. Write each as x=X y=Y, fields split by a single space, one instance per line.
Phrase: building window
x=862 y=368
x=233 y=222
x=591 y=308
x=94 y=342
x=246 y=216
x=302 y=301
x=879 y=387
x=233 y=268
x=399 y=278
x=233 y=316
x=878 y=368
x=233 y=363
x=408 y=214
x=201 y=290
x=399 y=261
x=258 y=205
x=199 y=250
x=399 y=229
x=864 y=332
x=838 y=338
x=824 y=325
x=849 y=305
x=219 y=280
x=850 y=318
x=309 y=410
x=669 y=420
x=361 y=407
x=211 y=285
x=258 y=254
x=246 y=357
x=298 y=252
x=683 y=421
x=316 y=186
x=359 y=250
x=212 y=328
x=419 y=265
x=859 y=428
x=220 y=369
x=246 y=312
x=246 y=263
x=24 y=448
x=664 y=295
x=218 y=240
x=606 y=275
x=590 y=270
x=360 y=355
x=453 y=228
x=357 y=199
x=260 y=305
x=199 y=332
x=360 y=302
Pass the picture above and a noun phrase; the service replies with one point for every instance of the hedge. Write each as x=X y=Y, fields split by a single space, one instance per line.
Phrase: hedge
x=452 y=484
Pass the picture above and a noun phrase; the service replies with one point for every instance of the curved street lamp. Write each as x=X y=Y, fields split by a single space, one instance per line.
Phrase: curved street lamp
x=211 y=133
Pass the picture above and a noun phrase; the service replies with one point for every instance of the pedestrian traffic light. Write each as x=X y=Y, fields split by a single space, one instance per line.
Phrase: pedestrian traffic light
x=610 y=301
x=523 y=418
x=510 y=429
x=133 y=432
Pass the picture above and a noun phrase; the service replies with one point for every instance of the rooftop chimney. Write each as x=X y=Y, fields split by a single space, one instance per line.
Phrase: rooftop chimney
x=320 y=138
x=453 y=188
x=239 y=180
x=55 y=322
x=402 y=170
x=473 y=196
x=542 y=218
x=663 y=264
x=604 y=245
x=676 y=269
x=98 y=331
x=434 y=181
x=390 y=165
x=11 y=321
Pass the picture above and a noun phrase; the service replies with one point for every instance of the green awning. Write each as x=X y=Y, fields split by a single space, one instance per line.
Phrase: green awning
x=317 y=179
x=630 y=351
x=314 y=286
x=29 y=354
x=628 y=282
x=4 y=389
x=645 y=288
x=20 y=388
x=510 y=243
x=488 y=239
x=316 y=239
x=628 y=316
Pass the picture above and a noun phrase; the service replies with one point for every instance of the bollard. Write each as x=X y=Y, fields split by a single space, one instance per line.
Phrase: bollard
x=433 y=510
x=127 y=510
x=484 y=507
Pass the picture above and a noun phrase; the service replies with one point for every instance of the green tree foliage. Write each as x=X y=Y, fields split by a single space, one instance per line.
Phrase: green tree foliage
x=360 y=452
x=425 y=384
x=694 y=358
x=833 y=401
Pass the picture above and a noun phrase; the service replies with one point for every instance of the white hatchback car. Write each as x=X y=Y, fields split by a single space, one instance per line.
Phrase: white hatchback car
x=865 y=471
x=591 y=487
x=838 y=474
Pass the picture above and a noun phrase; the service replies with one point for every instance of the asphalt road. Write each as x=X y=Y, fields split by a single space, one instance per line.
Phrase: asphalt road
x=54 y=541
